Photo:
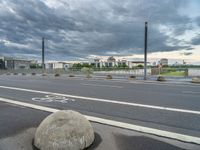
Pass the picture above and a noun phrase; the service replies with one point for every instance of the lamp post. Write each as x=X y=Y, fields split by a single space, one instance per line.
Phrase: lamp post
x=145 y=50
x=43 y=65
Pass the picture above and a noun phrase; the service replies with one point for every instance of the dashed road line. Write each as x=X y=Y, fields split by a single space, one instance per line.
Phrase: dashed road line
x=190 y=92
x=102 y=85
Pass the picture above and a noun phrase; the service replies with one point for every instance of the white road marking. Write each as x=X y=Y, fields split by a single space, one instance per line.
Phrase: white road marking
x=174 y=84
x=52 y=98
x=107 y=101
x=190 y=92
x=102 y=85
x=167 y=134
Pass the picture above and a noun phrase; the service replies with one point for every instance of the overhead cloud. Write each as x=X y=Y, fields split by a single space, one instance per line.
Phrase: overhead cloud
x=78 y=28
x=186 y=53
x=196 y=40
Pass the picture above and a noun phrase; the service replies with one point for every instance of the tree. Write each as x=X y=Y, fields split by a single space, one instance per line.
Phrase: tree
x=140 y=66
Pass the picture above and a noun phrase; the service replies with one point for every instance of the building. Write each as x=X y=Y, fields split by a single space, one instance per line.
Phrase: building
x=2 y=63
x=122 y=63
x=58 y=65
x=97 y=63
x=14 y=63
x=112 y=62
x=164 y=62
x=132 y=64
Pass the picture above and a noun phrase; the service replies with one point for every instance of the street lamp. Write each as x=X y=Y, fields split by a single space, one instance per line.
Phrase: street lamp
x=145 y=50
x=43 y=65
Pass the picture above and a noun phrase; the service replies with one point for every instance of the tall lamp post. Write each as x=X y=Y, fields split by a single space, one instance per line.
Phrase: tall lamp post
x=43 y=65
x=145 y=50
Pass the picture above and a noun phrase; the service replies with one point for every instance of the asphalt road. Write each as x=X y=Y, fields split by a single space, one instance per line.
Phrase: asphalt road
x=178 y=96
x=18 y=125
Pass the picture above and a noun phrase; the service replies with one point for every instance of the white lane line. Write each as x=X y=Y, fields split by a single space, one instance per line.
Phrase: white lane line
x=174 y=84
x=107 y=101
x=190 y=92
x=102 y=85
x=167 y=134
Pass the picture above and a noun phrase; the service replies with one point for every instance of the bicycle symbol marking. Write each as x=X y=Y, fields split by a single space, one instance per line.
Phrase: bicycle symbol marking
x=53 y=98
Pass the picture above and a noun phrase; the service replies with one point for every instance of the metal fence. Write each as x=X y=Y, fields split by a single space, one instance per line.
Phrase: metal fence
x=35 y=71
x=108 y=71
x=157 y=71
x=130 y=72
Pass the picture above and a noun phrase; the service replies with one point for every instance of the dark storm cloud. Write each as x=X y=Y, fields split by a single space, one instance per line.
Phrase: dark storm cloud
x=198 y=20
x=196 y=40
x=81 y=28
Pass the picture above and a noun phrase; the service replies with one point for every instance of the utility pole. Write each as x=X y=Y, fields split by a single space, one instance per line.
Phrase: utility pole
x=43 y=65
x=145 y=50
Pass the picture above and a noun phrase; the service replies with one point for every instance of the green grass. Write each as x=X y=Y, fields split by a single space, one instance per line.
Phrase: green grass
x=176 y=73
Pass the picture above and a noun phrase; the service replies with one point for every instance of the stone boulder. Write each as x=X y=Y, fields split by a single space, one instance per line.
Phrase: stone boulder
x=71 y=75
x=109 y=76
x=44 y=74
x=196 y=80
x=57 y=75
x=64 y=130
x=132 y=77
x=161 y=78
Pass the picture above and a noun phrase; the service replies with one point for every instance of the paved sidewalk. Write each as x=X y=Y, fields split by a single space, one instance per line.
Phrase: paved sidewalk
x=18 y=125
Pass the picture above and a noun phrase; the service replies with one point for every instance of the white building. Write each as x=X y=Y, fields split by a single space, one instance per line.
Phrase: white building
x=164 y=62
x=112 y=62
x=132 y=64
x=58 y=65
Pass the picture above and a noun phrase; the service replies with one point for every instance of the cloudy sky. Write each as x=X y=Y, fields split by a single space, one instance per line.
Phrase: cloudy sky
x=82 y=29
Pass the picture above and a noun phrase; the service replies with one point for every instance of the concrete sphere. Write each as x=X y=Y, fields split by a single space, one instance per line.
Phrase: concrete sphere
x=196 y=80
x=161 y=78
x=64 y=130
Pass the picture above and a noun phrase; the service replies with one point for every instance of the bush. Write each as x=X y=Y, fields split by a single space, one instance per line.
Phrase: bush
x=109 y=76
x=161 y=78
x=33 y=74
x=15 y=73
x=140 y=66
x=57 y=75
x=23 y=74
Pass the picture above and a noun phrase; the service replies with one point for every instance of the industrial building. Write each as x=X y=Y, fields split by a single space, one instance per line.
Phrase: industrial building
x=14 y=63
